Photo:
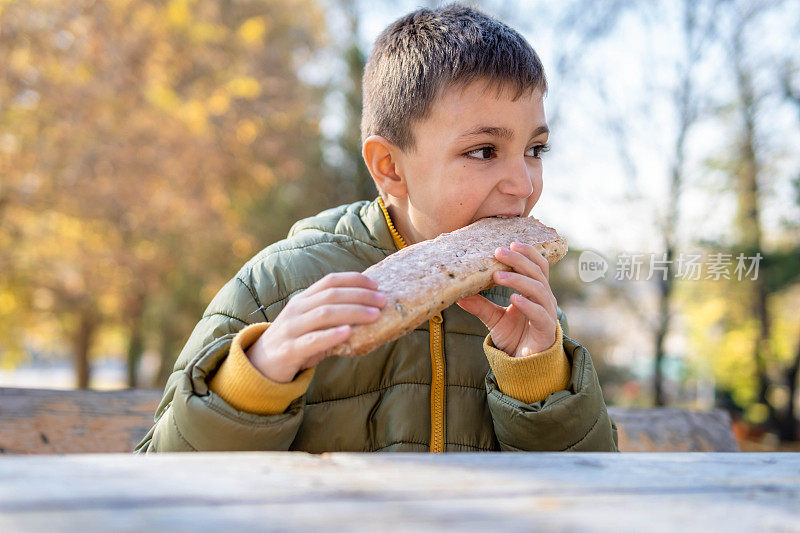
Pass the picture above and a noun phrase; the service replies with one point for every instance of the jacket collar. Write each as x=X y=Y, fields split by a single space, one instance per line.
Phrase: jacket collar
x=376 y=218
x=398 y=239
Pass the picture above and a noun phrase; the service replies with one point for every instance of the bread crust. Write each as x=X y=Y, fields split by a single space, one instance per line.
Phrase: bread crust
x=424 y=278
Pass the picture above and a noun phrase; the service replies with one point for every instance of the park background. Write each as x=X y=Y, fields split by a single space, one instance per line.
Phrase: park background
x=149 y=148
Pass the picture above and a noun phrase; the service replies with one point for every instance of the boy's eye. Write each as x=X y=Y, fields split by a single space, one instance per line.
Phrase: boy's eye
x=486 y=152
x=537 y=151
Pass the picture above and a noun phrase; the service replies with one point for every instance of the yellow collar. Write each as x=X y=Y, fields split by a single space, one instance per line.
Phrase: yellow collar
x=398 y=239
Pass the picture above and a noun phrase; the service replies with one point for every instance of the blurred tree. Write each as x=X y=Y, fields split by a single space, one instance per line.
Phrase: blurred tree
x=353 y=174
x=696 y=28
x=748 y=179
x=141 y=142
x=750 y=326
x=693 y=24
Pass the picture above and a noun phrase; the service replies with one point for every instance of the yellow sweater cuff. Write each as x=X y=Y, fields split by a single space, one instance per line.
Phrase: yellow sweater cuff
x=240 y=384
x=533 y=377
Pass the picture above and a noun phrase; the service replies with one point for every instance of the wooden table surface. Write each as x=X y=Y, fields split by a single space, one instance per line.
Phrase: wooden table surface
x=202 y=492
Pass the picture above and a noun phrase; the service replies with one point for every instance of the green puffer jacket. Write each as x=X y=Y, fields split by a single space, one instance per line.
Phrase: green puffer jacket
x=377 y=402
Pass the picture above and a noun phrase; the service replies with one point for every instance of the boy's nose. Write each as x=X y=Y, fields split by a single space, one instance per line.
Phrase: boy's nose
x=518 y=181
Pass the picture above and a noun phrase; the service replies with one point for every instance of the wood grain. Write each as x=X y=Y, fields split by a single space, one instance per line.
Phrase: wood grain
x=674 y=430
x=74 y=421
x=465 y=492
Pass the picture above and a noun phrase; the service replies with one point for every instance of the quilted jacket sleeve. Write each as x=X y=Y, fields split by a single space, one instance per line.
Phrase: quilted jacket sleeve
x=191 y=417
x=573 y=419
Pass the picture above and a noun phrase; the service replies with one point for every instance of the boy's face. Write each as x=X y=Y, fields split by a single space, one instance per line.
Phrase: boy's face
x=476 y=155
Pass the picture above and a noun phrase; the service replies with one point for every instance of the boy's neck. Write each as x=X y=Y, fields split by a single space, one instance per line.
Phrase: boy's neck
x=398 y=212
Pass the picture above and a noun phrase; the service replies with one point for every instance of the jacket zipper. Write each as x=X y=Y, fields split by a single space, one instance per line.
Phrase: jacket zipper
x=435 y=328
x=437 y=384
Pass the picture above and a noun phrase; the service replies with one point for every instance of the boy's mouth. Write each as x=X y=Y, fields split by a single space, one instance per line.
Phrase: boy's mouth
x=501 y=215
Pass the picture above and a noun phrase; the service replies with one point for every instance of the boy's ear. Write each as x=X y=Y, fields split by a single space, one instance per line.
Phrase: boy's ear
x=381 y=157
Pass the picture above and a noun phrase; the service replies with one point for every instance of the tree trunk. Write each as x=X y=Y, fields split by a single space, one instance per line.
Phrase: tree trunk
x=788 y=425
x=749 y=220
x=81 y=344
x=665 y=292
x=170 y=348
x=136 y=339
x=135 y=347
x=357 y=181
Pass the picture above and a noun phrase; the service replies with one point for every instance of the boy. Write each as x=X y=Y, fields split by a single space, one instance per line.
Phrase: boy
x=453 y=129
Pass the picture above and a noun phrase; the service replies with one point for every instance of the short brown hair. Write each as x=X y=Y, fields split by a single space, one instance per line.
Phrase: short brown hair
x=419 y=55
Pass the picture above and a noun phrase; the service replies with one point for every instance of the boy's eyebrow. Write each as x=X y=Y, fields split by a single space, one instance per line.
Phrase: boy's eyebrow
x=499 y=131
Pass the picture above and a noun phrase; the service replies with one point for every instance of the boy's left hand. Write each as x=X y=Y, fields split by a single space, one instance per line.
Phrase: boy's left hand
x=528 y=325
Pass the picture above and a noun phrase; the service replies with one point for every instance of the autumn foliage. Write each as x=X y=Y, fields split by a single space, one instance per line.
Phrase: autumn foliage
x=147 y=149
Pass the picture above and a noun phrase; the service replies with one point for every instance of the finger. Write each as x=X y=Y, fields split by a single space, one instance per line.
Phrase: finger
x=318 y=341
x=520 y=263
x=328 y=316
x=530 y=254
x=534 y=255
x=488 y=312
x=540 y=317
x=530 y=288
x=341 y=279
x=342 y=295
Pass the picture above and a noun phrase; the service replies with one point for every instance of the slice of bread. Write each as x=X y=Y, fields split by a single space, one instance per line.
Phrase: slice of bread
x=422 y=279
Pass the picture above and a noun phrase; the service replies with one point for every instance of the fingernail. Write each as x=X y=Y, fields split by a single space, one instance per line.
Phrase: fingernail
x=502 y=275
x=498 y=251
x=342 y=329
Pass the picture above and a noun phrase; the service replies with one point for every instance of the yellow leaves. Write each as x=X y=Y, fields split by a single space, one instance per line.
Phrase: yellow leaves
x=219 y=200
x=723 y=335
x=244 y=87
x=8 y=303
x=238 y=87
x=785 y=326
x=162 y=96
x=146 y=250
x=83 y=73
x=9 y=144
x=143 y=17
x=152 y=170
x=20 y=58
x=279 y=121
x=208 y=291
x=242 y=247
x=246 y=131
x=179 y=13
x=219 y=103
x=203 y=32
x=253 y=30
x=194 y=114
x=262 y=175
x=108 y=303
x=43 y=299
x=12 y=357
x=757 y=413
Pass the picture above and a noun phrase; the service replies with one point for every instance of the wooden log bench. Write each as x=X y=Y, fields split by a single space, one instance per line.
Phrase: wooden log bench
x=38 y=421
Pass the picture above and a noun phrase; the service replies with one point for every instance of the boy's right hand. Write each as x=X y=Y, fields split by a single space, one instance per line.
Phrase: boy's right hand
x=313 y=321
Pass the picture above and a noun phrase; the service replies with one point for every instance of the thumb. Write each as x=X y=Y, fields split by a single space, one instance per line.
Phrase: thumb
x=488 y=312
